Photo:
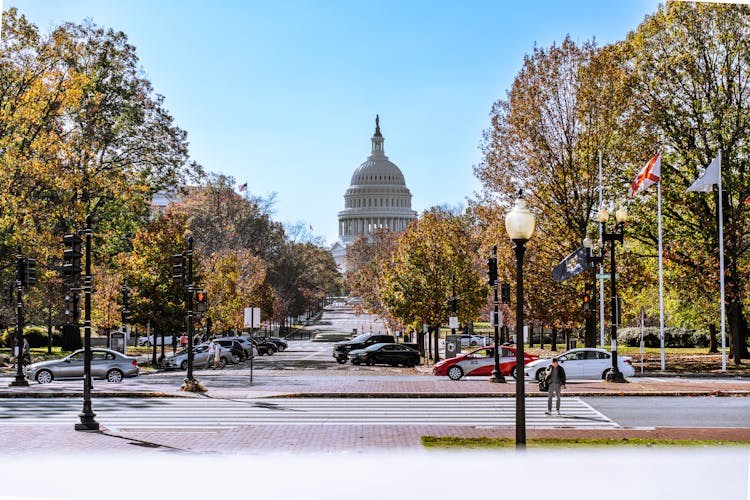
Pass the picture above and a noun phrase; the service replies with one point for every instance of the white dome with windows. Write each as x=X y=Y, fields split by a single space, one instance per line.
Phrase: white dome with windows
x=377 y=198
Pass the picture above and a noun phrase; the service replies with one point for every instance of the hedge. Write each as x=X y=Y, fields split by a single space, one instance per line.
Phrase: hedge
x=673 y=337
x=36 y=335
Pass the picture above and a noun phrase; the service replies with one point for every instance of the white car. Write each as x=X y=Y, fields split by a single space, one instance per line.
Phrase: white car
x=584 y=363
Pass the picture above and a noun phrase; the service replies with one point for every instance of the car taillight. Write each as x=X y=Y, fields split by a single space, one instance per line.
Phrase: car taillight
x=135 y=362
x=627 y=361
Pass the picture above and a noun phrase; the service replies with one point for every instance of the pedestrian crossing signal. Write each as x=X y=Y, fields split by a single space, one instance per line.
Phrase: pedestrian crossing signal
x=201 y=301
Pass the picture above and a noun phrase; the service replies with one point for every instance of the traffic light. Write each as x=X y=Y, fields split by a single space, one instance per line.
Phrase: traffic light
x=71 y=307
x=492 y=270
x=587 y=297
x=125 y=311
x=505 y=293
x=178 y=269
x=71 y=268
x=29 y=275
x=201 y=301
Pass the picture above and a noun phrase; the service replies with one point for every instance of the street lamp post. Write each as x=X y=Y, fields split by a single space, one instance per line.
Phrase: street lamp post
x=614 y=375
x=519 y=223
x=497 y=373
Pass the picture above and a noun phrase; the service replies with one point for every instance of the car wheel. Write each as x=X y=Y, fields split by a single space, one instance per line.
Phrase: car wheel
x=473 y=343
x=183 y=365
x=341 y=361
x=281 y=348
x=455 y=372
x=513 y=372
x=114 y=376
x=223 y=361
x=370 y=362
x=356 y=363
x=271 y=351
x=235 y=359
x=539 y=376
x=605 y=372
x=44 y=377
x=147 y=344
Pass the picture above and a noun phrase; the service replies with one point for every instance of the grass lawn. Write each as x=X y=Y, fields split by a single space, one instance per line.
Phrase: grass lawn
x=449 y=442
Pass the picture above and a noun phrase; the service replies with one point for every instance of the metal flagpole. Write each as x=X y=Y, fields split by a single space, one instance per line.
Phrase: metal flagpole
x=601 y=265
x=661 y=279
x=721 y=273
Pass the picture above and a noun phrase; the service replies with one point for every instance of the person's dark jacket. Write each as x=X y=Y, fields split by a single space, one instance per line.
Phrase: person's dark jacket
x=548 y=374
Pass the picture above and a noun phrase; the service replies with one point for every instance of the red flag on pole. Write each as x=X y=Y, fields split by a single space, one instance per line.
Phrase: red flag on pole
x=649 y=175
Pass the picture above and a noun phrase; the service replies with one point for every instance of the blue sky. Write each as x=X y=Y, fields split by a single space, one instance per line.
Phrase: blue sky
x=283 y=94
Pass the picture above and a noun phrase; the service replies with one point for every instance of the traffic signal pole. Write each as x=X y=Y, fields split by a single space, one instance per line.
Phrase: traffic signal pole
x=20 y=380
x=190 y=381
x=88 y=423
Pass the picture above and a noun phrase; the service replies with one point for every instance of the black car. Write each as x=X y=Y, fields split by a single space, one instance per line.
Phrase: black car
x=281 y=344
x=238 y=352
x=387 y=354
x=264 y=346
x=341 y=349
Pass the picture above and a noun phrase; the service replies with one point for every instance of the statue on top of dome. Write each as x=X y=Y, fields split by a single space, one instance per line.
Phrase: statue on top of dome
x=377 y=126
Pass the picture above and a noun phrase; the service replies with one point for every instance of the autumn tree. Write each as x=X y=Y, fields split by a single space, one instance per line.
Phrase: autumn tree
x=435 y=254
x=366 y=261
x=545 y=139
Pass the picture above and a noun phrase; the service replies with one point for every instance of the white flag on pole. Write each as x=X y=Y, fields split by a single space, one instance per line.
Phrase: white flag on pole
x=711 y=176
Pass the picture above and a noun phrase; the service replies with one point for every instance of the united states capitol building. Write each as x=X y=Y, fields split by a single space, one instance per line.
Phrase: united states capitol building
x=377 y=198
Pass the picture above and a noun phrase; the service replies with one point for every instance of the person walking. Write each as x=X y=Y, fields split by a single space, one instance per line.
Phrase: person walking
x=26 y=350
x=554 y=375
x=217 y=356
x=211 y=352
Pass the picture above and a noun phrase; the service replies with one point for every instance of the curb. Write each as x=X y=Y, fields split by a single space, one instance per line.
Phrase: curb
x=377 y=395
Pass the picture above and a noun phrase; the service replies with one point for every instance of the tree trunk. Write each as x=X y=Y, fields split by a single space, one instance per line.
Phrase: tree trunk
x=541 y=337
x=437 y=350
x=49 y=330
x=554 y=339
x=712 y=347
x=420 y=342
x=737 y=332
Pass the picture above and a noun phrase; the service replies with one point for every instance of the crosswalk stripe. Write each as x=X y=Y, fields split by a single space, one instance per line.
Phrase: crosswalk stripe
x=173 y=414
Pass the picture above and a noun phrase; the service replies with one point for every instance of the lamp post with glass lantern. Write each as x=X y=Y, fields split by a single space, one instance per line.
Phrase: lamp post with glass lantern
x=621 y=215
x=519 y=223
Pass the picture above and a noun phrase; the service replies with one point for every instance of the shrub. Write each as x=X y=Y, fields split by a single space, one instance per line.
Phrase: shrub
x=36 y=335
x=673 y=337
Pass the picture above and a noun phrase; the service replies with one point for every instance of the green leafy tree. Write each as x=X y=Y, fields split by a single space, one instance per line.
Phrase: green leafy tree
x=686 y=69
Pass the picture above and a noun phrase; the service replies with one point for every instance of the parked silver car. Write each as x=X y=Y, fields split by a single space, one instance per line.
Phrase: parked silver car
x=200 y=358
x=105 y=363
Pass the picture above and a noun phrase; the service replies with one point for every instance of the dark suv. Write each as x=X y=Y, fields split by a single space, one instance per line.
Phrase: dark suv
x=341 y=349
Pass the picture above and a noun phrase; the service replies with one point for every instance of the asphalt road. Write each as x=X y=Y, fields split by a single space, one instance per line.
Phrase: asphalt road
x=675 y=411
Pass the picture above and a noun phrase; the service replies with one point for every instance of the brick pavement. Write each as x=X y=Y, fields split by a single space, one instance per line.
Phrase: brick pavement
x=331 y=438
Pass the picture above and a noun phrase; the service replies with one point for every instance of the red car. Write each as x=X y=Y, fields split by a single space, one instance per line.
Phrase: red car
x=480 y=362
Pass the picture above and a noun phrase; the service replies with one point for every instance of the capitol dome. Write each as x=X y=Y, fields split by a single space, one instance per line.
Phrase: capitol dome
x=377 y=198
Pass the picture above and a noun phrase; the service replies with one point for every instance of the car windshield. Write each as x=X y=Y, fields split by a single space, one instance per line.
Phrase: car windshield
x=361 y=338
